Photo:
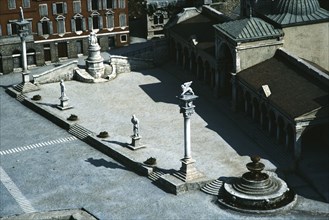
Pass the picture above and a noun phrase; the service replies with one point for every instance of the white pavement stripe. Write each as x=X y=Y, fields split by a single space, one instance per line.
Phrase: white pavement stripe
x=41 y=144
x=15 y=192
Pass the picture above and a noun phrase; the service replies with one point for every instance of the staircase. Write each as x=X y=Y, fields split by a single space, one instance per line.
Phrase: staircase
x=80 y=132
x=213 y=187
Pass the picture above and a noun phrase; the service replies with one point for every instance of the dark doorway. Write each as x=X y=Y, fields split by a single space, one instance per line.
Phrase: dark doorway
x=62 y=49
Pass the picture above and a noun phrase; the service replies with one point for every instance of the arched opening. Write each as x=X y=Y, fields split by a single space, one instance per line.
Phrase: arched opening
x=17 y=59
x=240 y=99
x=264 y=117
x=179 y=57
x=255 y=110
x=193 y=64
x=247 y=104
x=212 y=80
x=173 y=49
x=207 y=75
x=280 y=130
x=31 y=57
x=200 y=69
x=272 y=124
x=186 y=61
x=290 y=138
x=225 y=69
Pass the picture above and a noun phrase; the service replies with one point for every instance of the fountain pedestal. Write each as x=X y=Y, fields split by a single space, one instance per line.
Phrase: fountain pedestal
x=257 y=191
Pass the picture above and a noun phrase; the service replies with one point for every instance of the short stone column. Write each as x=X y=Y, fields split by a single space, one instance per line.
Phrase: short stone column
x=94 y=62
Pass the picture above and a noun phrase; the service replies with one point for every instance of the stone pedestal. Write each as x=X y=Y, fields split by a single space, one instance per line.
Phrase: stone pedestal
x=94 y=62
x=64 y=103
x=188 y=171
x=135 y=143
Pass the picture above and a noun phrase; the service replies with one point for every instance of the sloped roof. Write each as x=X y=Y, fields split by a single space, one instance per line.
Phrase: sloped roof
x=293 y=12
x=249 y=29
x=293 y=91
x=200 y=26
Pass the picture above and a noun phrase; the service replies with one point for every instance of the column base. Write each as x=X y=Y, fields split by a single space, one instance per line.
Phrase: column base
x=188 y=171
x=135 y=143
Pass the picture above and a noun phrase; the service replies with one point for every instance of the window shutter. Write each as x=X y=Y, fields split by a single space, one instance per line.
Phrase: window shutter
x=51 y=30
x=84 y=24
x=40 y=28
x=76 y=7
x=89 y=5
x=100 y=22
x=114 y=2
x=65 y=7
x=9 y=29
x=30 y=27
x=90 y=23
x=99 y=4
x=104 y=4
x=73 y=29
x=54 y=9
x=0 y=30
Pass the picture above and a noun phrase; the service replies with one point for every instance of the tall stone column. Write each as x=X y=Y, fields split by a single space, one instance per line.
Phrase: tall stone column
x=187 y=172
x=23 y=32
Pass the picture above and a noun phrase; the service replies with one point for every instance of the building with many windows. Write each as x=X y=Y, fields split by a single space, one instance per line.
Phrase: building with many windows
x=59 y=29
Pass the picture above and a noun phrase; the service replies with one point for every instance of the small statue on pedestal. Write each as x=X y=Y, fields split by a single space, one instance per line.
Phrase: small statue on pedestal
x=135 y=138
x=186 y=89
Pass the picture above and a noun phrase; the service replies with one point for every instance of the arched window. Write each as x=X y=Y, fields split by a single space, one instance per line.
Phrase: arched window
x=31 y=59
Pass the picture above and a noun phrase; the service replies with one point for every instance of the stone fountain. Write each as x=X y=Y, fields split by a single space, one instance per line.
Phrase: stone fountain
x=257 y=191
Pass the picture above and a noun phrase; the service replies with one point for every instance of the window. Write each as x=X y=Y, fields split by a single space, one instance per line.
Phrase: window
x=95 y=21
x=11 y=4
x=26 y=3
x=122 y=4
x=43 y=10
x=123 y=38
x=60 y=25
x=122 y=20
x=76 y=7
x=78 y=23
x=94 y=5
x=110 y=20
x=158 y=19
x=12 y=28
x=59 y=8
x=45 y=27
x=0 y=30
x=109 y=4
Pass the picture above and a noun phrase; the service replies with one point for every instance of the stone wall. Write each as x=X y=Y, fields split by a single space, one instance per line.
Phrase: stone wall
x=250 y=54
x=64 y=71
x=309 y=42
x=123 y=64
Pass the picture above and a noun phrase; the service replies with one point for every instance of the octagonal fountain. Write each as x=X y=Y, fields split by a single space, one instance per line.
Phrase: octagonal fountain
x=256 y=191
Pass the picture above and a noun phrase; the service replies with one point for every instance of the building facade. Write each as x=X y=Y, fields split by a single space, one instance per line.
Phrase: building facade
x=270 y=62
x=60 y=29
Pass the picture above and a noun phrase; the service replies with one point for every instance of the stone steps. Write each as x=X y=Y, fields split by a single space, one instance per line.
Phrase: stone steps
x=80 y=132
x=155 y=175
x=213 y=187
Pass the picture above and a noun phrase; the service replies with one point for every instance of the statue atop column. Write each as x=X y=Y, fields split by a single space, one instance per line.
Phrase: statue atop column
x=21 y=14
x=93 y=38
x=186 y=89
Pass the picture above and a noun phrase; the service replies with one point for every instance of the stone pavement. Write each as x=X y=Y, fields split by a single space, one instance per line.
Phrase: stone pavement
x=220 y=146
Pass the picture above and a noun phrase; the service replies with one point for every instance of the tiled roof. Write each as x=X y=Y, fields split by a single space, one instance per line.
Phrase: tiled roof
x=293 y=91
x=249 y=29
x=200 y=26
x=292 y=12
